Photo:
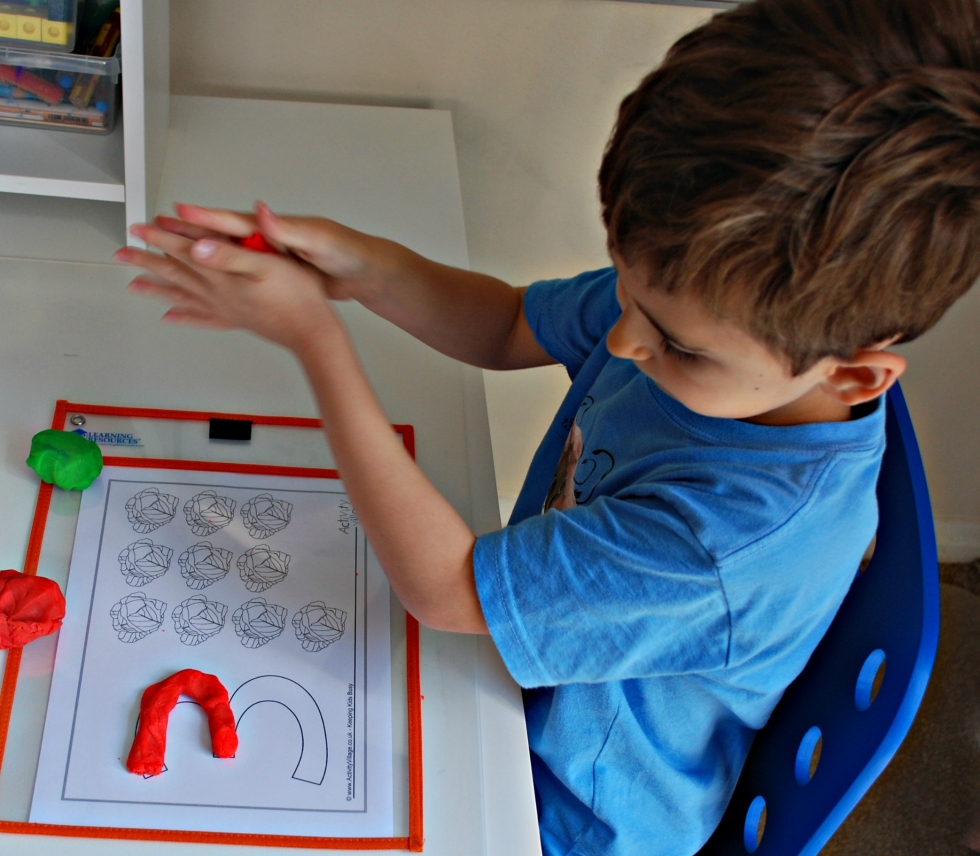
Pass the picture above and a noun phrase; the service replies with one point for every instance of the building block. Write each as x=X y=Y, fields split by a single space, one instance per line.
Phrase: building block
x=8 y=26
x=28 y=28
x=54 y=32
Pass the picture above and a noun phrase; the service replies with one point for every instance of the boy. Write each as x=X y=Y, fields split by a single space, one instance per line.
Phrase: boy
x=795 y=189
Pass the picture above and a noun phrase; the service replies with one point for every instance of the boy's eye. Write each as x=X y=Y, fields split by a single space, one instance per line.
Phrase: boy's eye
x=673 y=351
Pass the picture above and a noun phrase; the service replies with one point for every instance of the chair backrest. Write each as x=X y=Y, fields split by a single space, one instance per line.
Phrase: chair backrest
x=842 y=720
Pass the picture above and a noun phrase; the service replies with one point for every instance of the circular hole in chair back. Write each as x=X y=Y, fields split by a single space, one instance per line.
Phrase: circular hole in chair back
x=755 y=825
x=808 y=756
x=869 y=679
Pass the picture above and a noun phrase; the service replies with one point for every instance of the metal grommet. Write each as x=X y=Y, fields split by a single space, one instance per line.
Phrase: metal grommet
x=77 y=419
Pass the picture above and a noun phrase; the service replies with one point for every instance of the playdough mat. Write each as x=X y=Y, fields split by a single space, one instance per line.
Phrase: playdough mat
x=261 y=575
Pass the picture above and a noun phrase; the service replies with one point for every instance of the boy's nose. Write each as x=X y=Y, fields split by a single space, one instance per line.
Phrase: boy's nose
x=621 y=343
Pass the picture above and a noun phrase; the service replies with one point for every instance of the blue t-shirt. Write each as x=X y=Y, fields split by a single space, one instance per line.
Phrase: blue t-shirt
x=681 y=576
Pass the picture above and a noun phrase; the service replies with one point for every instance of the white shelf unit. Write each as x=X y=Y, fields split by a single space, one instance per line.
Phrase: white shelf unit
x=72 y=196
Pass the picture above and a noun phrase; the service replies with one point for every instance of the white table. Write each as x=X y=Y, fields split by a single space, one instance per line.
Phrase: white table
x=69 y=330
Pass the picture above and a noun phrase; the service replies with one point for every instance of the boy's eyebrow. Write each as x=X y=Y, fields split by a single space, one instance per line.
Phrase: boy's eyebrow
x=666 y=333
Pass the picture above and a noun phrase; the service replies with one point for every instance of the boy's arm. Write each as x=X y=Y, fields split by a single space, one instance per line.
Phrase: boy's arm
x=423 y=545
x=471 y=317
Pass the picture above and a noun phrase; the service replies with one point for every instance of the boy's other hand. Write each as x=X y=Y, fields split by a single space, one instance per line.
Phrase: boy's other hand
x=210 y=282
x=229 y=226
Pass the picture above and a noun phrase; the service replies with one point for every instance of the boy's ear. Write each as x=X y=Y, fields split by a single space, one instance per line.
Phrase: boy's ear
x=867 y=375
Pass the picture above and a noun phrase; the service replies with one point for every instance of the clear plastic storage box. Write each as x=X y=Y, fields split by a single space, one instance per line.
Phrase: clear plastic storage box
x=52 y=90
x=40 y=24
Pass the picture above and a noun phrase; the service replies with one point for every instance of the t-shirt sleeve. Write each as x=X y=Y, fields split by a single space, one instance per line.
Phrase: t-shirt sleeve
x=612 y=590
x=569 y=317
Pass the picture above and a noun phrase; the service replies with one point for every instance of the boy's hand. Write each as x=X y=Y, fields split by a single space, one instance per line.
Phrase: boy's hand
x=468 y=316
x=210 y=282
x=354 y=264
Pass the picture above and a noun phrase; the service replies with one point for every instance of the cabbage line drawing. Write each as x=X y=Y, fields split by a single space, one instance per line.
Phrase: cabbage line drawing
x=257 y=622
x=264 y=515
x=143 y=561
x=204 y=564
x=150 y=509
x=207 y=512
x=318 y=625
x=198 y=619
x=261 y=567
x=136 y=616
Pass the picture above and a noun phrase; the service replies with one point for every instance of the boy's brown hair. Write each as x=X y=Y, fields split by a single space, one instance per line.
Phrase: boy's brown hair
x=811 y=168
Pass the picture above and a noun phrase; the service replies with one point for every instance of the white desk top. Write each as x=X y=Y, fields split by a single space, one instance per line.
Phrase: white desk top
x=70 y=331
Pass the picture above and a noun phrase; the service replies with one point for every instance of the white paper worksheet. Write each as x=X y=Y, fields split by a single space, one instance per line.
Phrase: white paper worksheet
x=266 y=582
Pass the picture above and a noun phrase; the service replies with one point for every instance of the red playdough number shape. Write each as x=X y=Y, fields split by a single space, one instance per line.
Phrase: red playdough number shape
x=146 y=755
x=30 y=607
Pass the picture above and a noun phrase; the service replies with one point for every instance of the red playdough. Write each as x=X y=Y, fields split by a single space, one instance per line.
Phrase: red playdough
x=146 y=755
x=30 y=607
x=259 y=244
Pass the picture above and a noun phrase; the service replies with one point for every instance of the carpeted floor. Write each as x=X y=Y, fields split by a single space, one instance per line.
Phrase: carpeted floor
x=927 y=802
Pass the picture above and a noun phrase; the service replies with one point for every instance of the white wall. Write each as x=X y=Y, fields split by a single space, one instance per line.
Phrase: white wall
x=533 y=86
x=942 y=386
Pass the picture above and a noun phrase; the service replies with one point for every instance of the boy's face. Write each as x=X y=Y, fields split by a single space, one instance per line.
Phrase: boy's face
x=713 y=366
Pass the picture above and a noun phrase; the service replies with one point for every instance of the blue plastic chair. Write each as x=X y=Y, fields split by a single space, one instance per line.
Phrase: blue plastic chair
x=862 y=686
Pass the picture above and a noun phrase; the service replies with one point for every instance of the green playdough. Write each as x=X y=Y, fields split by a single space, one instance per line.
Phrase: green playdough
x=65 y=459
